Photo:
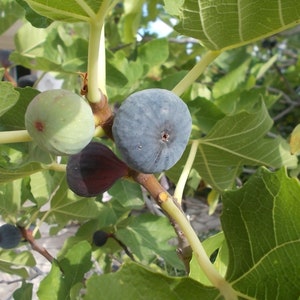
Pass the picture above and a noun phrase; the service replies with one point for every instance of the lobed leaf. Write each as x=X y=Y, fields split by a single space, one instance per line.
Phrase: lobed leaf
x=68 y=11
x=236 y=141
x=136 y=282
x=261 y=225
x=227 y=24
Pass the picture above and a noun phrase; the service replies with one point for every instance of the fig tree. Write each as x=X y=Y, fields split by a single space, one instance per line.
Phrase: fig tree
x=10 y=236
x=59 y=121
x=151 y=130
x=94 y=170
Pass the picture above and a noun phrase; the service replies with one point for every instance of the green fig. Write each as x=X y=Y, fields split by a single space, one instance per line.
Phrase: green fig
x=60 y=122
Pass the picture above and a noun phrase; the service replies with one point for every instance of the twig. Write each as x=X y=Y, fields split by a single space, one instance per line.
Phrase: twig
x=27 y=234
x=123 y=246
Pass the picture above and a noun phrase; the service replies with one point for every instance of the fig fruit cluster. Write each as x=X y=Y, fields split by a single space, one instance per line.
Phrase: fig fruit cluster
x=94 y=170
x=10 y=236
x=60 y=122
x=151 y=130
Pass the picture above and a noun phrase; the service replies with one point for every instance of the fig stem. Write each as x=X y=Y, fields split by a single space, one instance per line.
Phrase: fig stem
x=14 y=136
x=185 y=172
x=96 y=53
x=195 y=72
x=204 y=262
x=93 y=94
x=56 y=167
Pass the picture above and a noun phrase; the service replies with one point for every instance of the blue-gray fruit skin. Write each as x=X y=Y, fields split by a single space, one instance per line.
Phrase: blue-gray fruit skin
x=10 y=236
x=151 y=130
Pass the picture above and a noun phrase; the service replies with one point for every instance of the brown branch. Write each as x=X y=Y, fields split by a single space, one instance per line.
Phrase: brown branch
x=27 y=235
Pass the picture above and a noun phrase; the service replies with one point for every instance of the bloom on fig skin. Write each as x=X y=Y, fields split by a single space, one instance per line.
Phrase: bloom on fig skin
x=10 y=236
x=94 y=170
x=151 y=130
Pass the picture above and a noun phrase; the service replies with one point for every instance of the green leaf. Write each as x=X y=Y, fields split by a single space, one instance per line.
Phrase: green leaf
x=205 y=114
x=66 y=206
x=8 y=174
x=127 y=193
x=76 y=263
x=68 y=11
x=35 y=19
x=15 y=263
x=57 y=285
x=8 y=97
x=236 y=141
x=211 y=244
x=231 y=80
x=41 y=52
x=261 y=224
x=10 y=13
x=232 y=23
x=131 y=19
x=153 y=53
x=53 y=287
x=14 y=118
x=136 y=282
x=10 y=198
x=148 y=236
x=24 y=292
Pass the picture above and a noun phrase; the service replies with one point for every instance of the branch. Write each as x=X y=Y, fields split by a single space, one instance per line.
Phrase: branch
x=27 y=234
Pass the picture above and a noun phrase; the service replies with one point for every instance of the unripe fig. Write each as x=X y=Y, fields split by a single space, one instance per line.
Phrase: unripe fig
x=100 y=238
x=151 y=130
x=10 y=236
x=60 y=122
x=94 y=170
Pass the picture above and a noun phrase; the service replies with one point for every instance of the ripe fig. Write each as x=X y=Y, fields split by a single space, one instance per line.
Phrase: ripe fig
x=151 y=130
x=60 y=122
x=94 y=170
x=100 y=238
x=26 y=80
x=10 y=236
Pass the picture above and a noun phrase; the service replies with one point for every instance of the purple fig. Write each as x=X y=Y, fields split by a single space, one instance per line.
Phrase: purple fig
x=151 y=130
x=10 y=236
x=94 y=170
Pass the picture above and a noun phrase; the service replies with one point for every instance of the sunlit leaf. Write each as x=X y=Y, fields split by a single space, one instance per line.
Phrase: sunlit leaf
x=10 y=13
x=66 y=273
x=8 y=97
x=15 y=263
x=232 y=23
x=295 y=140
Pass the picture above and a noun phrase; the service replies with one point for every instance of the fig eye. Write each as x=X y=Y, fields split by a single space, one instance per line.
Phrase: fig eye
x=151 y=130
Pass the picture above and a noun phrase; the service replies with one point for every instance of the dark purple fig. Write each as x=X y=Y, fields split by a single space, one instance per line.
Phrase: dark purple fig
x=100 y=238
x=10 y=236
x=26 y=80
x=59 y=121
x=151 y=130
x=94 y=170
